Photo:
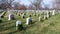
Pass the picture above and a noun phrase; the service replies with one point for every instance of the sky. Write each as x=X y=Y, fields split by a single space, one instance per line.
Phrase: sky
x=25 y=2
x=48 y=3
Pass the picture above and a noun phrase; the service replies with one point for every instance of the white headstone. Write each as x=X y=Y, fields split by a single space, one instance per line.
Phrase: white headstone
x=44 y=16
x=18 y=23
x=28 y=21
x=11 y=16
x=47 y=14
x=40 y=18
x=53 y=12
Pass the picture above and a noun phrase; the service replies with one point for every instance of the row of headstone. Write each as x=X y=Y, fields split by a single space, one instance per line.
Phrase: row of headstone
x=19 y=25
x=29 y=19
x=45 y=16
x=49 y=14
x=55 y=12
x=11 y=16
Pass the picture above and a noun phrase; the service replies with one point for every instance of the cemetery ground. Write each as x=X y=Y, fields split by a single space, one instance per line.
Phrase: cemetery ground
x=49 y=26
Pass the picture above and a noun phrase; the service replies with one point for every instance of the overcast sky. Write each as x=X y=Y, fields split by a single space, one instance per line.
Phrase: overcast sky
x=48 y=3
x=25 y=2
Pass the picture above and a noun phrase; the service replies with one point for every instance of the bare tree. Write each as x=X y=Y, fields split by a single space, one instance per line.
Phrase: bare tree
x=6 y=3
x=36 y=4
x=9 y=3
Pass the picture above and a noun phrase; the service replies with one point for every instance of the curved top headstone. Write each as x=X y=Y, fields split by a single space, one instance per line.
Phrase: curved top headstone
x=18 y=22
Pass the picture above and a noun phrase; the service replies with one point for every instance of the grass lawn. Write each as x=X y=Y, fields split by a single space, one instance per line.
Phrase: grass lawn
x=50 y=26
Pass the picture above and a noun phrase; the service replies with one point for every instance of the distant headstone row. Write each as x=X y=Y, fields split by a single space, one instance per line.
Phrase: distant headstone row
x=47 y=15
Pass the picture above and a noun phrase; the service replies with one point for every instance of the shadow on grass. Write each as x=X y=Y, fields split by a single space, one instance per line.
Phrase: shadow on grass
x=23 y=31
x=9 y=22
x=0 y=21
x=52 y=24
x=12 y=32
x=28 y=26
x=1 y=28
x=5 y=24
x=7 y=28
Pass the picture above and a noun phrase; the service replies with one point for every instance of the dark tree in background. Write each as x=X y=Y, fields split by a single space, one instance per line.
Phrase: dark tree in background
x=4 y=4
x=19 y=6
